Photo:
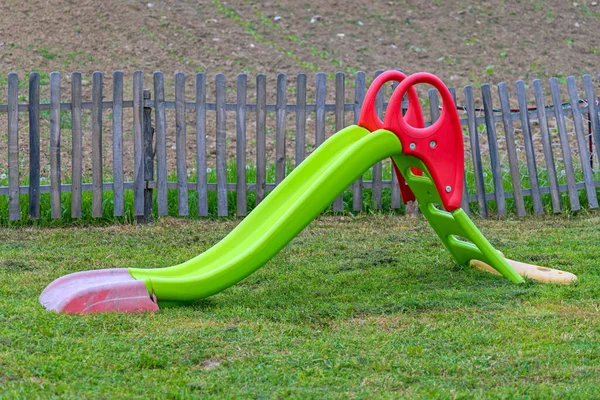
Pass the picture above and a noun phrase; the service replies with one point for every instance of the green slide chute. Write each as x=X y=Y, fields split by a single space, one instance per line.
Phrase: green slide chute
x=303 y=195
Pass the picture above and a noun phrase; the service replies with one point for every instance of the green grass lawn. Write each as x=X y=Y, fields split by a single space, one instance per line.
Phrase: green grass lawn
x=352 y=308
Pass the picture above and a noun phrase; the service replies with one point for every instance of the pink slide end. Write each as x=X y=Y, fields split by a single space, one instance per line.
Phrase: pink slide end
x=101 y=290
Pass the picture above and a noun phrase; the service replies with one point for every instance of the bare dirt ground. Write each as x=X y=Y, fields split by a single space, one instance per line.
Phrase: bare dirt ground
x=456 y=40
x=464 y=42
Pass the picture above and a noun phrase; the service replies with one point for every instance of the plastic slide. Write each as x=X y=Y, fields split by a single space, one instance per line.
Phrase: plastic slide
x=430 y=161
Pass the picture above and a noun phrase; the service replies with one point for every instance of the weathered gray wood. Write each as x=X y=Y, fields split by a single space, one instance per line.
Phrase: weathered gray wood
x=486 y=93
x=13 y=147
x=564 y=144
x=76 y=145
x=240 y=145
x=410 y=209
x=511 y=148
x=538 y=92
x=464 y=203
x=261 y=138
x=138 y=143
x=300 y=118
x=340 y=98
x=396 y=197
x=534 y=183
x=148 y=139
x=181 y=144
x=475 y=151
x=202 y=183
x=221 y=150
x=321 y=83
x=592 y=111
x=453 y=94
x=117 y=139
x=161 y=144
x=359 y=96
x=584 y=155
x=280 y=129
x=97 y=144
x=376 y=190
x=434 y=105
x=56 y=210
x=34 y=145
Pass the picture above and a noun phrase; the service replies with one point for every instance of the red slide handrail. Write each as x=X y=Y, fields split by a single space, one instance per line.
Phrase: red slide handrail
x=369 y=119
x=439 y=146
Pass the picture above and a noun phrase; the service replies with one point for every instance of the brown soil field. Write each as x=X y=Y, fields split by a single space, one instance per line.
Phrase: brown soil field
x=455 y=40
x=463 y=42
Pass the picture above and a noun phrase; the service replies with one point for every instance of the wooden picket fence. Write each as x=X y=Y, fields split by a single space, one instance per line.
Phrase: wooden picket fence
x=553 y=141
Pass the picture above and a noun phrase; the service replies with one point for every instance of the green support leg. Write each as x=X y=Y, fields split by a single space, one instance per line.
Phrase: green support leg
x=456 y=230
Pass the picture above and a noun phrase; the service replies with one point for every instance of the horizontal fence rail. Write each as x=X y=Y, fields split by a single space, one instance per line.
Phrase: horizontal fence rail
x=526 y=148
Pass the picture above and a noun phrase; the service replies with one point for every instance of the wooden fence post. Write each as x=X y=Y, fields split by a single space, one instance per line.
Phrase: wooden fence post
x=34 y=145
x=376 y=177
x=76 y=145
x=148 y=140
x=490 y=127
x=97 y=186
x=359 y=96
x=475 y=151
x=240 y=144
x=181 y=145
x=538 y=207
x=280 y=159
x=55 y=176
x=221 y=146
x=340 y=100
x=564 y=145
x=300 y=118
x=538 y=92
x=588 y=174
x=201 y=182
x=511 y=149
x=13 y=148
x=138 y=143
x=117 y=134
x=261 y=141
